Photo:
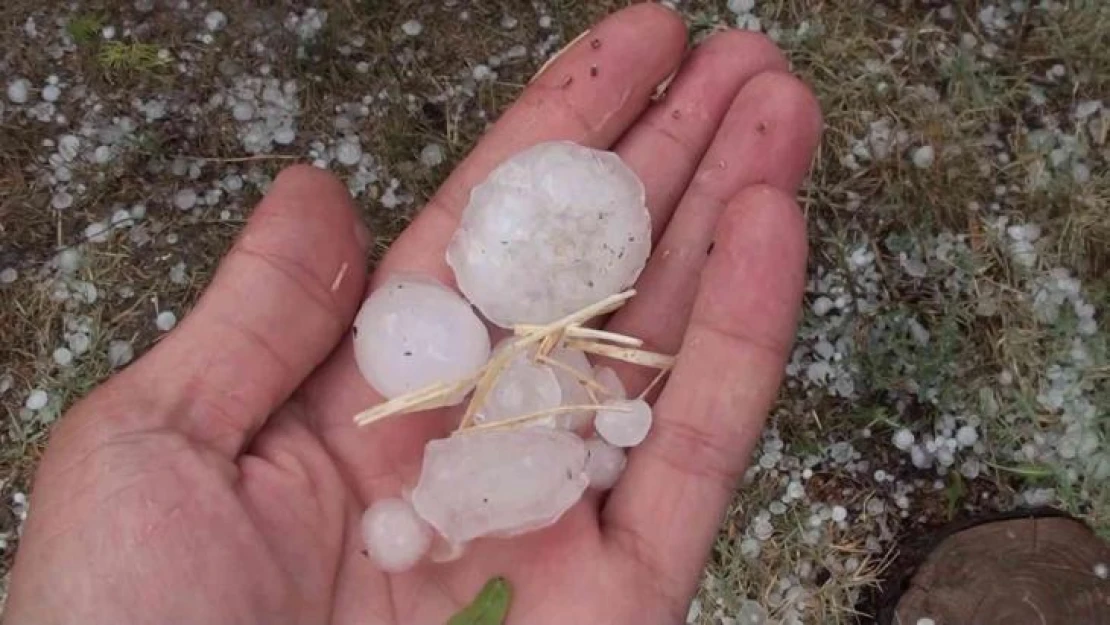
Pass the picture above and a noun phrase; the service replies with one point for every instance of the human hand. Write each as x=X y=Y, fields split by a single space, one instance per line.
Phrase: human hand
x=220 y=479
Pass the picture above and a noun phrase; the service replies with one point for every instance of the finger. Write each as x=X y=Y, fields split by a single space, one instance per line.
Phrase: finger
x=589 y=95
x=666 y=144
x=768 y=137
x=278 y=304
x=664 y=512
x=637 y=49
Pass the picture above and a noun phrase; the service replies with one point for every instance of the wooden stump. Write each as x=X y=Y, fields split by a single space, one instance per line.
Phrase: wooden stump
x=1041 y=570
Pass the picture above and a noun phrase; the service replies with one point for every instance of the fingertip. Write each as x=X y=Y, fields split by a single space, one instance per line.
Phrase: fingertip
x=768 y=212
x=795 y=102
x=668 y=21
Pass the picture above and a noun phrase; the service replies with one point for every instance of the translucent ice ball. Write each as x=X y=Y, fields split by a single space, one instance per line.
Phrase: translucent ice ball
x=553 y=229
x=413 y=332
x=396 y=538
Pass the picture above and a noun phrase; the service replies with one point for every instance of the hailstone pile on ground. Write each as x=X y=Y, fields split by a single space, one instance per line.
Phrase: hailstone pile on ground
x=552 y=239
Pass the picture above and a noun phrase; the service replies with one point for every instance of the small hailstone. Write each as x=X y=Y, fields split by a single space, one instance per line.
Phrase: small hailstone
x=579 y=231
x=8 y=275
x=396 y=538
x=51 y=93
x=412 y=28
x=102 y=154
x=481 y=72
x=604 y=463
x=412 y=332
x=1102 y=570
x=284 y=136
x=79 y=342
x=97 y=232
x=215 y=21
x=926 y=621
x=924 y=156
x=431 y=155
x=821 y=306
x=165 y=321
x=61 y=200
x=499 y=482
x=920 y=458
x=36 y=400
x=63 y=357
x=120 y=353
x=839 y=514
x=508 y=22
x=967 y=436
x=185 y=199
x=108 y=32
x=624 y=422
x=348 y=152
x=242 y=111
x=19 y=90
x=903 y=439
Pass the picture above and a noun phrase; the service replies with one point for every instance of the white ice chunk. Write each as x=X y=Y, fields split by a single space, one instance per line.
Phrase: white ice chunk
x=413 y=332
x=396 y=537
x=624 y=422
x=604 y=463
x=523 y=387
x=499 y=482
x=552 y=229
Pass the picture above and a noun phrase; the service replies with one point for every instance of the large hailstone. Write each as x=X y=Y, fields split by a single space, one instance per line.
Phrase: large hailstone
x=396 y=538
x=552 y=229
x=499 y=482
x=413 y=332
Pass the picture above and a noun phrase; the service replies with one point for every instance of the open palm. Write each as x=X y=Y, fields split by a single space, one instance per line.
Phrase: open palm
x=220 y=479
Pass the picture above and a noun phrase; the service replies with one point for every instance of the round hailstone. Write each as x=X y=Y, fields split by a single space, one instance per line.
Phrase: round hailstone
x=61 y=200
x=185 y=199
x=552 y=229
x=523 y=387
x=413 y=332
x=348 y=152
x=412 y=28
x=79 y=342
x=8 y=275
x=165 y=321
x=51 y=93
x=395 y=537
x=608 y=378
x=923 y=157
x=37 y=400
x=624 y=422
x=63 y=357
x=903 y=439
x=242 y=111
x=19 y=90
x=499 y=483
x=604 y=463
x=215 y=21
x=431 y=155
x=120 y=353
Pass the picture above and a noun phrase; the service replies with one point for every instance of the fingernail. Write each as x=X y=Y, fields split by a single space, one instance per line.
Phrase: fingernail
x=363 y=236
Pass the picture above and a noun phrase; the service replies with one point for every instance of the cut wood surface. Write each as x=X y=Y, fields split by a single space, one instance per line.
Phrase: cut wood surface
x=1032 y=571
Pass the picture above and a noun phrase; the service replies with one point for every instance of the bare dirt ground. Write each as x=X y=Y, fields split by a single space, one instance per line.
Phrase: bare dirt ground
x=952 y=359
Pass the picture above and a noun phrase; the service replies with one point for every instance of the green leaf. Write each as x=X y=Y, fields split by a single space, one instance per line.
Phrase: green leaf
x=490 y=606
